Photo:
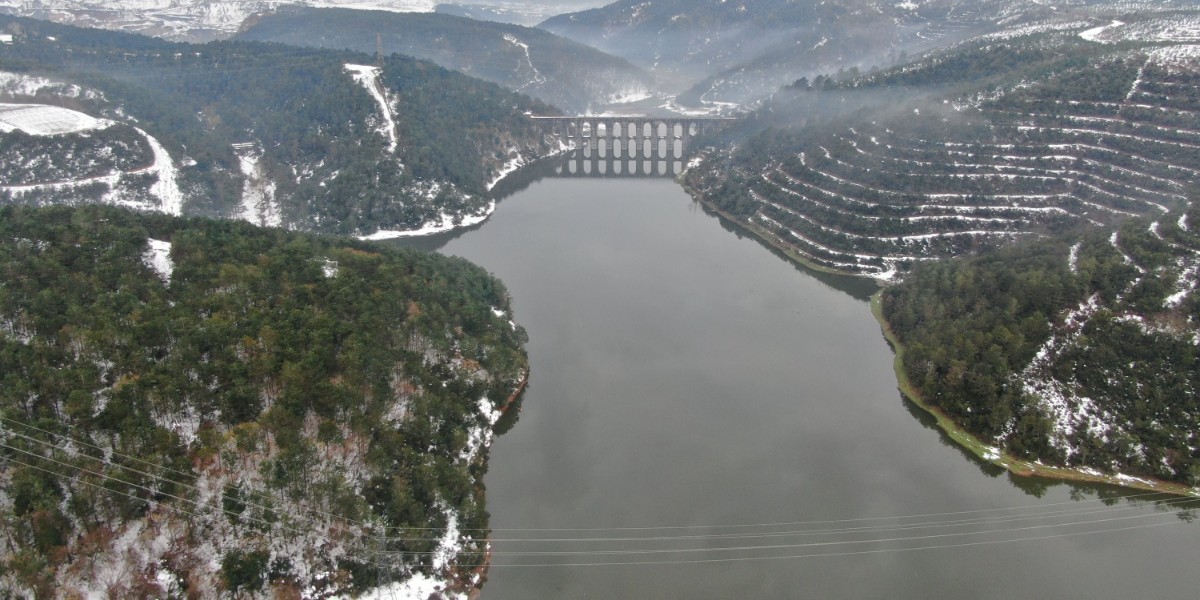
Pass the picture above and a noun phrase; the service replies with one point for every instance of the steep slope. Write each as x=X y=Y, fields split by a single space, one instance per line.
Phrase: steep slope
x=202 y=408
x=1005 y=138
x=326 y=142
x=566 y=74
x=1082 y=353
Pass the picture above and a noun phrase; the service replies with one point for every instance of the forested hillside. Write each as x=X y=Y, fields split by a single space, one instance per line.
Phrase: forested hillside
x=531 y=61
x=309 y=139
x=194 y=408
x=1078 y=352
x=1013 y=136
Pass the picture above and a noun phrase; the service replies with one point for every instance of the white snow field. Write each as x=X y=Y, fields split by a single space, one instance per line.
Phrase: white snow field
x=40 y=119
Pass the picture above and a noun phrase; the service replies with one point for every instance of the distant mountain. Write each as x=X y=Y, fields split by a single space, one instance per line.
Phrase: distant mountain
x=517 y=12
x=302 y=138
x=1015 y=135
x=702 y=37
x=740 y=51
x=566 y=74
x=181 y=20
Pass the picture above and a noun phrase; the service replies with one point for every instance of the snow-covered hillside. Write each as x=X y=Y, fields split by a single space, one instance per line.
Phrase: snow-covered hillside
x=57 y=163
x=282 y=136
x=39 y=119
x=188 y=20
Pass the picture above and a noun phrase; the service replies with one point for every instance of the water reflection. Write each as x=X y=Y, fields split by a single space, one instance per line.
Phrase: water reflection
x=571 y=165
x=587 y=163
x=683 y=377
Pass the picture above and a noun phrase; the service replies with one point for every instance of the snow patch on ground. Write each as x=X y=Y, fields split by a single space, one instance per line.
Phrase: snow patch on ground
x=368 y=77
x=516 y=161
x=40 y=119
x=158 y=257
x=1033 y=28
x=445 y=222
x=167 y=187
x=1189 y=275
x=480 y=437
x=259 y=204
x=1176 y=55
x=629 y=96
x=12 y=330
x=186 y=424
x=1131 y=479
x=1073 y=257
x=17 y=84
x=1115 y=240
x=1094 y=34
x=418 y=587
x=1068 y=412
x=536 y=77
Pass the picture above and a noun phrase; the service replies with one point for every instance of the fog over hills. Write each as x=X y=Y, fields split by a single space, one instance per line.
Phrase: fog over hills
x=1017 y=134
x=742 y=51
x=531 y=61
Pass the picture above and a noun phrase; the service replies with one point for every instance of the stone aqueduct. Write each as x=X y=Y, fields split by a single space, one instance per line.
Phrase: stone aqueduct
x=630 y=137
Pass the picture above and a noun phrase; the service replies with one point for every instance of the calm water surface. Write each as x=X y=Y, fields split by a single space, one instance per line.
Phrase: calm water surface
x=686 y=377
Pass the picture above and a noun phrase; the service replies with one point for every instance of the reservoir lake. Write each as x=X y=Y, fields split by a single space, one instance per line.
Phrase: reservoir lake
x=707 y=420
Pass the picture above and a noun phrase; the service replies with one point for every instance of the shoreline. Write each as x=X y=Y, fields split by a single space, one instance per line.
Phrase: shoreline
x=991 y=454
x=960 y=436
x=480 y=572
x=772 y=240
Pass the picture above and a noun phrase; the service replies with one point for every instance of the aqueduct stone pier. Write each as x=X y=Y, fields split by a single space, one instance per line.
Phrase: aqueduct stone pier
x=615 y=137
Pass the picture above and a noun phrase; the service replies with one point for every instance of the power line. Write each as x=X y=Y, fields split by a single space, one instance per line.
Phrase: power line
x=763 y=547
x=826 y=532
x=737 y=559
x=731 y=559
x=650 y=552
x=774 y=533
x=673 y=538
x=814 y=522
x=167 y=506
x=259 y=495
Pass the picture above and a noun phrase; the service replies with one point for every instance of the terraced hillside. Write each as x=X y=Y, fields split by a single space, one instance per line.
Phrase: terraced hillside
x=1001 y=139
